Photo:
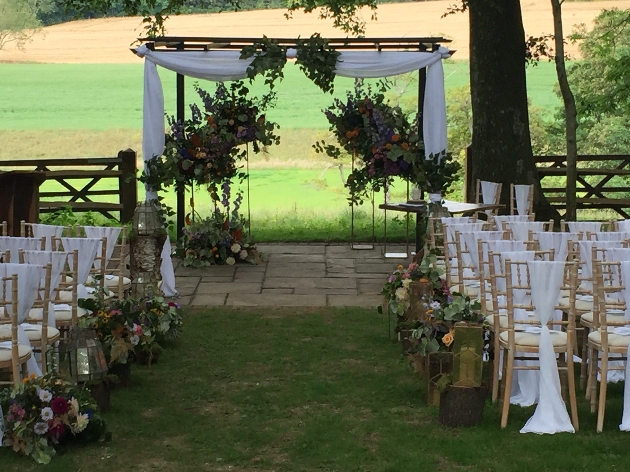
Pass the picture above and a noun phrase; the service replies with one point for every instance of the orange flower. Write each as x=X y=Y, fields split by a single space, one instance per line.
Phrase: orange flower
x=405 y=146
x=395 y=138
x=388 y=146
x=349 y=134
x=423 y=280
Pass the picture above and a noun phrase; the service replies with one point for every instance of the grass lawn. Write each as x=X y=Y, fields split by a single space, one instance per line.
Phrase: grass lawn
x=307 y=390
x=109 y=96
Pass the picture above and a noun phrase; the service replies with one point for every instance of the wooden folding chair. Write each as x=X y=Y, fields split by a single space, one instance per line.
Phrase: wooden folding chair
x=12 y=359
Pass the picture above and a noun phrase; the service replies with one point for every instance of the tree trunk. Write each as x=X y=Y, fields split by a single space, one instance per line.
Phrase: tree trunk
x=501 y=146
x=569 y=112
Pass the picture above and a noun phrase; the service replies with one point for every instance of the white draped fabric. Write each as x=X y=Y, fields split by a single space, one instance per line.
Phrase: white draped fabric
x=551 y=414
x=624 y=225
x=584 y=226
x=100 y=232
x=586 y=256
x=613 y=236
x=471 y=240
x=13 y=244
x=87 y=249
x=625 y=276
x=559 y=242
x=500 y=219
x=168 y=273
x=455 y=220
x=29 y=277
x=489 y=192
x=450 y=238
x=48 y=232
x=522 y=198
x=520 y=229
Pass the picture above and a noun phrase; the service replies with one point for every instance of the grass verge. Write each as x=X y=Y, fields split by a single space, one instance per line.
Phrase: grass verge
x=306 y=390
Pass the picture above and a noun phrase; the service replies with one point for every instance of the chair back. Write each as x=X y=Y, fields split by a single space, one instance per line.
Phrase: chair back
x=521 y=199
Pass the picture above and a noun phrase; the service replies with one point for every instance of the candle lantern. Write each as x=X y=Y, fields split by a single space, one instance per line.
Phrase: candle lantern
x=467 y=355
x=81 y=357
x=437 y=365
x=419 y=298
x=148 y=236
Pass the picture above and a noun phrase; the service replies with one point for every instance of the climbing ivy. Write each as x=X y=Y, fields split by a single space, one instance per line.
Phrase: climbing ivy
x=269 y=60
x=318 y=61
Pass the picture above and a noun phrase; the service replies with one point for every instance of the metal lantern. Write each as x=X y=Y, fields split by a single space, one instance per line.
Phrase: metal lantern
x=146 y=249
x=437 y=364
x=467 y=355
x=146 y=218
x=81 y=358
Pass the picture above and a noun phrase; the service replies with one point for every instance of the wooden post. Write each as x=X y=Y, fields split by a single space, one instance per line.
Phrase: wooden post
x=127 y=184
x=181 y=199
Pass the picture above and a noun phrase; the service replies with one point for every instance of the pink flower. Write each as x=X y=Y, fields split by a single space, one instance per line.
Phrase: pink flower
x=115 y=312
x=137 y=330
x=405 y=276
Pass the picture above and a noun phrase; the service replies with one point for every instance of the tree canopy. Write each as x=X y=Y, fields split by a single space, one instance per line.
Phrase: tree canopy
x=19 y=20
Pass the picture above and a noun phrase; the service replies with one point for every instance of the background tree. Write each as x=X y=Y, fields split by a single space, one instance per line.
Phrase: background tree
x=19 y=21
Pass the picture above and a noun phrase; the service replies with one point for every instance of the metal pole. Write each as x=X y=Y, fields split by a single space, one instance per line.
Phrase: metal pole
x=181 y=199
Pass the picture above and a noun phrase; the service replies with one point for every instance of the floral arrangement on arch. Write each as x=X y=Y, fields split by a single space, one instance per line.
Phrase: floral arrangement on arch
x=380 y=136
x=45 y=414
x=207 y=148
x=220 y=238
x=131 y=326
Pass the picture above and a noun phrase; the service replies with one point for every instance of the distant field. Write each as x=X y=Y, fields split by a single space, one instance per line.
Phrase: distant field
x=109 y=96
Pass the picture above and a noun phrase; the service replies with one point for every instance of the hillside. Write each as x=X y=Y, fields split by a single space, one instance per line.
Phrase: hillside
x=108 y=40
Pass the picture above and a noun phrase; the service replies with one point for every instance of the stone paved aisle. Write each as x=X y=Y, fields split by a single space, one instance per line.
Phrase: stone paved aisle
x=292 y=275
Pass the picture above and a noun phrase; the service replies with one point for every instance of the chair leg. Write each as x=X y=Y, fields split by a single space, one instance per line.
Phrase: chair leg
x=584 y=365
x=603 y=385
x=495 y=367
x=592 y=377
x=507 y=386
x=572 y=399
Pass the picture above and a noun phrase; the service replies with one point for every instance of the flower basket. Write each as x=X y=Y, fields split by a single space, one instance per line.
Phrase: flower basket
x=462 y=406
x=437 y=364
x=123 y=372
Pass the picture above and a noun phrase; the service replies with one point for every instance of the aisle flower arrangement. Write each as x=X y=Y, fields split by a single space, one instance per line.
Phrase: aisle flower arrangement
x=383 y=139
x=220 y=238
x=208 y=148
x=47 y=413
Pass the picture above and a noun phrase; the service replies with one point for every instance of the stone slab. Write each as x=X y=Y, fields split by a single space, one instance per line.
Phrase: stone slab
x=187 y=281
x=376 y=268
x=233 y=287
x=277 y=291
x=214 y=270
x=216 y=279
x=292 y=249
x=370 y=287
x=255 y=277
x=325 y=291
x=282 y=271
x=209 y=299
x=339 y=262
x=353 y=300
x=278 y=300
x=296 y=258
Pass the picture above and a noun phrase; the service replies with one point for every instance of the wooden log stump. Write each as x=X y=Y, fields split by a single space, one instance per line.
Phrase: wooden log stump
x=462 y=406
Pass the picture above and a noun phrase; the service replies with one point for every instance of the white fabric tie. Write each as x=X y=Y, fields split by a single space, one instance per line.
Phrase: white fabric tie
x=489 y=192
x=551 y=414
x=520 y=229
x=48 y=232
x=111 y=236
x=87 y=249
x=625 y=276
x=559 y=242
x=14 y=244
x=522 y=198
x=500 y=219
x=584 y=226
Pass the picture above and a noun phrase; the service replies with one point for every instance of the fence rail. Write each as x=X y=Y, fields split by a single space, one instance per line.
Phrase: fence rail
x=79 y=194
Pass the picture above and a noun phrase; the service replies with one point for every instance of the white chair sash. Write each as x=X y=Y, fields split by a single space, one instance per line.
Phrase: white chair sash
x=167 y=271
x=551 y=414
x=559 y=242
x=489 y=192
x=456 y=220
x=87 y=249
x=521 y=192
x=612 y=236
x=110 y=234
x=584 y=226
x=624 y=225
x=500 y=219
x=625 y=417
x=586 y=257
x=48 y=232
x=520 y=229
x=471 y=239
x=14 y=244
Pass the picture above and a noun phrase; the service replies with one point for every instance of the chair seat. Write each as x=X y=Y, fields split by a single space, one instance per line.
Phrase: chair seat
x=503 y=321
x=558 y=338
x=63 y=316
x=587 y=318
x=614 y=340
x=33 y=333
x=24 y=353
x=472 y=292
x=580 y=305
x=65 y=296
x=110 y=281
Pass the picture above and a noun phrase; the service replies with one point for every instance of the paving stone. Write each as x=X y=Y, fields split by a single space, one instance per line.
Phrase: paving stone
x=292 y=249
x=354 y=300
x=190 y=271
x=187 y=281
x=370 y=287
x=182 y=300
x=377 y=267
x=283 y=271
x=277 y=291
x=341 y=272
x=209 y=299
x=249 y=277
x=233 y=287
x=375 y=276
x=185 y=291
x=325 y=291
x=296 y=258
x=214 y=270
x=288 y=282
x=293 y=265
x=273 y=299
x=249 y=268
x=339 y=262
x=216 y=279
x=336 y=282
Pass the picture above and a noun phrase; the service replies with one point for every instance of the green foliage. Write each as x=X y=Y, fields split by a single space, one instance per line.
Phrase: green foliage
x=318 y=61
x=437 y=173
x=67 y=217
x=344 y=13
x=269 y=60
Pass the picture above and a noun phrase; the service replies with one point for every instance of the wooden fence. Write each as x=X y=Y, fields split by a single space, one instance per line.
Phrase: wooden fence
x=597 y=187
x=79 y=176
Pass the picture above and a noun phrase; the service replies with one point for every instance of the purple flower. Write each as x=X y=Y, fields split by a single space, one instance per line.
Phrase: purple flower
x=392 y=279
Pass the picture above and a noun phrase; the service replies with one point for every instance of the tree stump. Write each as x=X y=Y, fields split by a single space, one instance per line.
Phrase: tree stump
x=462 y=406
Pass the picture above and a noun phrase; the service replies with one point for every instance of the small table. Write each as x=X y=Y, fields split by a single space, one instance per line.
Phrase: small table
x=454 y=208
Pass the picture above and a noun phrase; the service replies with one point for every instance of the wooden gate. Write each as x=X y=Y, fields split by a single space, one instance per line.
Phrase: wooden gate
x=79 y=176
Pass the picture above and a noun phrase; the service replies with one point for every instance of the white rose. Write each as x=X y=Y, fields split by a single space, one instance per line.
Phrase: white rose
x=236 y=247
x=406 y=283
x=244 y=254
x=401 y=293
x=230 y=261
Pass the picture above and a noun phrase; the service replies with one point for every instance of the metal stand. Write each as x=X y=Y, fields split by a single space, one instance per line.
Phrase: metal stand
x=395 y=255
x=365 y=245
x=249 y=213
